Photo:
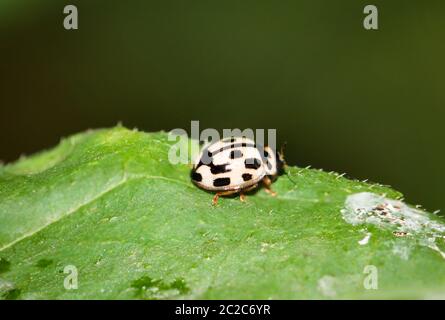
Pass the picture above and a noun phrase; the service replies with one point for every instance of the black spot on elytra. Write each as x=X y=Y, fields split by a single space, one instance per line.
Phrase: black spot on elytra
x=263 y=153
x=221 y=182
x=196 y=176
x=231 y=139
x=206 y=158
x=5 y=265
x=252 y=163
x=247 y=176
x=233 y=146
x=43 y=263
x=235 y=154
x=221 y=168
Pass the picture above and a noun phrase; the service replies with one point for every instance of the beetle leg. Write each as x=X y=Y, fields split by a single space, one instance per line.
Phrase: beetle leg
x=215 y=199
x=221 y=193
x=242 y=195
x=267 y=183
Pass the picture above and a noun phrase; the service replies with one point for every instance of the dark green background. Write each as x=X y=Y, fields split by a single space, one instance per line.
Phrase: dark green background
x=368 y=103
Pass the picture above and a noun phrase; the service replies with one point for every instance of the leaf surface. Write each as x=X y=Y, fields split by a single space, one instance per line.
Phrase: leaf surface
x=110 y=204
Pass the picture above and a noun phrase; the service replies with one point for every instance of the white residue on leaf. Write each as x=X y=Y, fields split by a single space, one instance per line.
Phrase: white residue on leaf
x=326 y=286
x=394 y=215
x=402 y=251
x=365 y=240
x=5 y=286
x=431 y=243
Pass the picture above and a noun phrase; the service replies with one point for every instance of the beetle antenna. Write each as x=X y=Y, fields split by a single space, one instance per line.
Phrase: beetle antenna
x=283 y=146
x=285 y=166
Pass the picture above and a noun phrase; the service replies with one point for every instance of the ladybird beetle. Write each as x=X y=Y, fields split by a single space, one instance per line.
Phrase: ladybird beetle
x=236 y=165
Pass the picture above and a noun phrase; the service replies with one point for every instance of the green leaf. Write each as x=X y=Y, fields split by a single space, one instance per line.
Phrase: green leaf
x=109 y=204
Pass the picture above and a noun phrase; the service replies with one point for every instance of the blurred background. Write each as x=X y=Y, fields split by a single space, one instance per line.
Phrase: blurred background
x=368 y=103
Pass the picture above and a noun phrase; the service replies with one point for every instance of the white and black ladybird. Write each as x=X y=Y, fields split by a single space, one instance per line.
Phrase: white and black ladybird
x=236 y=165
